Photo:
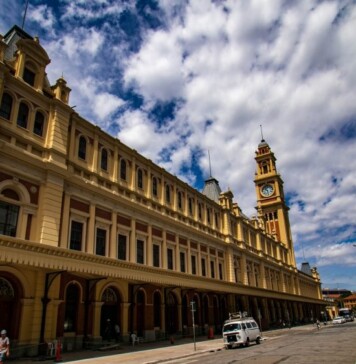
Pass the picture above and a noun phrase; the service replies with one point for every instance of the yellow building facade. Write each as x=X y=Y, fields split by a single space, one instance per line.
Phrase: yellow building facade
x=93 y=234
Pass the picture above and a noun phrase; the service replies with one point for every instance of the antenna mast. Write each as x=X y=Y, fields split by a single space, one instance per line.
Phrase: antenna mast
x=261 y=132
x=24 y=15
x=209 y=163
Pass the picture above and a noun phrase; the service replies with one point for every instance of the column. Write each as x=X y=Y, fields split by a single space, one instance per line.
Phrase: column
x=113 y=236
x=115 y=168
x=96 y=318
x=229 y=263
x=133 y=241
x=149 y=252
x=164 y=250
x=94 y=165
x=243 y=269
x=91 y=230
x=177 y=254
x=65 y=226
x=263 y=275
x=189 y=258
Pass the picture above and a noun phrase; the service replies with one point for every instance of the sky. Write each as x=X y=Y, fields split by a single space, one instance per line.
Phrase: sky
x=178 y=80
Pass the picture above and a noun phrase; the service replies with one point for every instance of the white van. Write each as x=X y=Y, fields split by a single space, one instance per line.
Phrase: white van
x=240 y=331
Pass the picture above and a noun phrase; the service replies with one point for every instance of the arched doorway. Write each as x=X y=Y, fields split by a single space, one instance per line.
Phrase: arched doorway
x=171 y=314
x=110 y=313
x=140 y=313
x=10 y=294
x=72 y=299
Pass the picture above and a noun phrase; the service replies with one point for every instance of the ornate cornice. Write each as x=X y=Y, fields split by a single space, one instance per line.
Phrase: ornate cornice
x=31 y=254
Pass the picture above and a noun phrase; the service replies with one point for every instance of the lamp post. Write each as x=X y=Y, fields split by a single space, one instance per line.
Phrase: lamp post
x=192 y=303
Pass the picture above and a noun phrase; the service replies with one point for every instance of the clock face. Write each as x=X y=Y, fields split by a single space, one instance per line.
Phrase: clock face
x=267 y=190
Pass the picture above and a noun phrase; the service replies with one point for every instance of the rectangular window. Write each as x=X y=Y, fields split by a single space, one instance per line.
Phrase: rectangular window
x=194 y=265
x=203 y=268
x=122 y=247
x=8 y=218
x=29 y=76
x=212 y=269
x=221 y=277
x=140 y=252
x=76 y=236
x=170 y=258
x=100 y=242
x=156 y=256
x=182 y=261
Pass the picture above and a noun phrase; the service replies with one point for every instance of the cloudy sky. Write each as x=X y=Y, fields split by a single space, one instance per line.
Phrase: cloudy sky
x=175 y=79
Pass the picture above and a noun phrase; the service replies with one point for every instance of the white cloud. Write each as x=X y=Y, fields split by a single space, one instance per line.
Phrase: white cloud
x=233 y=65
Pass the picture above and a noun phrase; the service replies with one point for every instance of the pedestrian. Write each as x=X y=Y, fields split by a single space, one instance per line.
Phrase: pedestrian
x=107 y=332
x=4 y=346
x=117 y=332
x=318 y=324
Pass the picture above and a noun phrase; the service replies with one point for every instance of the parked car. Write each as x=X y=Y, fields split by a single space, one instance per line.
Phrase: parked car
x=240 y=331
x=339 y=320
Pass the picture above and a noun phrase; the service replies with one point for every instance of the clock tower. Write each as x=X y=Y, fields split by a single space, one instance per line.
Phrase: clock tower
x=271 y=206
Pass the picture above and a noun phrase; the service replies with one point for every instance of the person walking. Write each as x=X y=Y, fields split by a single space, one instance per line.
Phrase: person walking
x=318 y=324
x=4 y=346
x=117 y=332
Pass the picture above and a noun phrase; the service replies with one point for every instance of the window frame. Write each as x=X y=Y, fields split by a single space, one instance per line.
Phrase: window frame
x=6 y=107
x=140 y=257
x=24 y=120
x=119 y=244
x=104 y=159
x=82 y=155
x=104 y=229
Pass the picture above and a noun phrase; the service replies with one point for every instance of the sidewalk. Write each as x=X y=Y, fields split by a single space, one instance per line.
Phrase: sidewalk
x=152 y=353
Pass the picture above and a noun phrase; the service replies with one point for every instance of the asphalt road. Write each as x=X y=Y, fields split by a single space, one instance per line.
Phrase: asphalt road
x=331 y=344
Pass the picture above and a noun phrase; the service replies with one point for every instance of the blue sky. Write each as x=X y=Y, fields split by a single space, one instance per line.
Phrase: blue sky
x=174 y=79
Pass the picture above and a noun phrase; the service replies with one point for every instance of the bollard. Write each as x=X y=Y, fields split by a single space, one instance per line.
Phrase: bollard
x=172 y=340
x=211 y=333
x=59 y=351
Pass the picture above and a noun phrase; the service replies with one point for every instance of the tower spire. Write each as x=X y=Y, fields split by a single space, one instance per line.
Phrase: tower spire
x=209 y=163
x=262 y=139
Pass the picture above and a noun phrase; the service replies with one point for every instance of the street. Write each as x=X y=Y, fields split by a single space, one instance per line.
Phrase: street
x=331 y=344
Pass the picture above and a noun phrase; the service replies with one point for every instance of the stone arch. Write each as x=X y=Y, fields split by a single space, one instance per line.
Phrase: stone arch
x=171 y=312
x=18 y=187
x=11 y=295
x=110 y=311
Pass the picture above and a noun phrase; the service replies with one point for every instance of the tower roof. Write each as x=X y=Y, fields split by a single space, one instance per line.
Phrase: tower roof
x=212 y=189
x=263 y=143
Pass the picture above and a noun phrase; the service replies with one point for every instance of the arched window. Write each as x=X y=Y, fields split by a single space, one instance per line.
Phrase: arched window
x=190 y=205
x=168 y=194
x=71 y=308
x=38 y=125
x=104 y=159
x=123 y=169
x=154 y=186
x=22 y=117
x=6 y=106
x=6 y=289
x=82 y=147
x=109 y=296
x=139 y=178
x=199 y=211
x=179 y=200
x=9 y=213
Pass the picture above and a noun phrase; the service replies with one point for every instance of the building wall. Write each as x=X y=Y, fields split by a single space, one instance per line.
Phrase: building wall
x=80 y=194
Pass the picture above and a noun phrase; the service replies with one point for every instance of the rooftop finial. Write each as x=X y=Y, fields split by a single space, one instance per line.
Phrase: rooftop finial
x=261 y=133
x=24 y=15
x=209 y=163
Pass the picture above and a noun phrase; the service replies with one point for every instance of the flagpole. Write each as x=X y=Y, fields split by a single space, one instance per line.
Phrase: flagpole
x=24 y=15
